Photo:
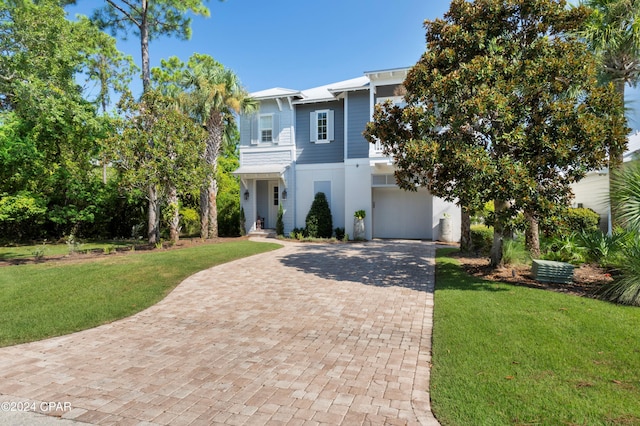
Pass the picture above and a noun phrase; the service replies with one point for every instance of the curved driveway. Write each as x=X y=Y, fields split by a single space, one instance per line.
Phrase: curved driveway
x=307 y=334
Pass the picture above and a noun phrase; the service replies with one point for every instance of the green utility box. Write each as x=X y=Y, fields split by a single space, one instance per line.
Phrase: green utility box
x=552 y=272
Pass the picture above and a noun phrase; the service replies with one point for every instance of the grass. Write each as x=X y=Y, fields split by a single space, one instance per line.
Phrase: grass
x=506 y=355
x=56 y=298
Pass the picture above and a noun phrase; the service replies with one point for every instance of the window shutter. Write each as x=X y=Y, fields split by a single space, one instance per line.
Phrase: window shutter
x=313 y=127
x=255 y=133
x=330 y=126
x=276 y=128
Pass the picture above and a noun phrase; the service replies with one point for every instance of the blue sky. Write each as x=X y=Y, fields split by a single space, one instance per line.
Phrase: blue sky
x=299 y=44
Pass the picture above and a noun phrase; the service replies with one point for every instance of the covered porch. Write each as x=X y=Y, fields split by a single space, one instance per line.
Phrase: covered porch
x=262 y=190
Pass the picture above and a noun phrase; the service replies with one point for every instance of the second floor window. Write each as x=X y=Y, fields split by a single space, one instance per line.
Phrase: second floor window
x=321 y=126
x=266 y=128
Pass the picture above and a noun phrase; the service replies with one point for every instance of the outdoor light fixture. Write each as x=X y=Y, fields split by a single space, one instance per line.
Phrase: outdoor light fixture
x=284 y=194
x=246 y=194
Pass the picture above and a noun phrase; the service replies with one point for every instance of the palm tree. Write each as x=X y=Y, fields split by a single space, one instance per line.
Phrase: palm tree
x=613 y=33
x=215 y=96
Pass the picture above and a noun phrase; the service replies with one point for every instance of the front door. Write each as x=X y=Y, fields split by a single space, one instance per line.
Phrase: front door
x=274 y=203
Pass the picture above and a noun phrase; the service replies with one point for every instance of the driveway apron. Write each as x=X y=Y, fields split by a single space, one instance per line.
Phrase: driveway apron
x=306 y=334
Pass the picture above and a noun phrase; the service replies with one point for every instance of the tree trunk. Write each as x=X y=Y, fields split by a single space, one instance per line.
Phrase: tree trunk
x=209 y=191
x=204 y=212
x=498 y=233
x=174 y=222
x=465 y=230
x=615 y=162
x=153 y=232
x=213 y=208
x=144 y=46
x=532 y=236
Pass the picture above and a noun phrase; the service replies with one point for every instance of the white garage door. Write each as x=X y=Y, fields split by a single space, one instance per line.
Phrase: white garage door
x=402 y=214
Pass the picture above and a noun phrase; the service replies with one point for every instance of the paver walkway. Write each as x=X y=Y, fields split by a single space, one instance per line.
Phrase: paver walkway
x=307 y=334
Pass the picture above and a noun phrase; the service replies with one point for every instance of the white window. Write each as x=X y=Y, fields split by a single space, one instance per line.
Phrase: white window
x=321 y=126
x=266 y=128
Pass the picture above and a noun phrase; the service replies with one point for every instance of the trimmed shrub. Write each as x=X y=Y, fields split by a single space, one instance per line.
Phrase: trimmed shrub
x=280 y=221
x=581 y=219
x=339 y=233
x=482 y=238
x=319 y=223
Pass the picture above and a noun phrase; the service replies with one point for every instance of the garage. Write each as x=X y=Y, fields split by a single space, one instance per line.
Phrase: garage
x=402 y=214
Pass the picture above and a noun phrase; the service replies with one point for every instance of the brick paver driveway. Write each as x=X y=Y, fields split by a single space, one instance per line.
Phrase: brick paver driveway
x=307 y=334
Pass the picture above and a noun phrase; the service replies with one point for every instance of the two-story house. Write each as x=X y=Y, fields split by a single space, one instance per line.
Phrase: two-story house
x=308 y=141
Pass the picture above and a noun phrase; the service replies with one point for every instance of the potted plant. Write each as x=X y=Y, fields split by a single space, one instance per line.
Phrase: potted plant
x=358 y=224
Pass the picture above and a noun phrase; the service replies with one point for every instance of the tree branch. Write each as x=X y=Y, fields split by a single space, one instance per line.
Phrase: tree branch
x=128 y=15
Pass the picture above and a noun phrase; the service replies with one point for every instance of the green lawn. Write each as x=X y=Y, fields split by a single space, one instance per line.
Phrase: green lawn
x=56 y=298
x=509 y=355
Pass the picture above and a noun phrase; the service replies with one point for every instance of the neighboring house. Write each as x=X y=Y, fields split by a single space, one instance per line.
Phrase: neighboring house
x=593 y=191
x=303 y=142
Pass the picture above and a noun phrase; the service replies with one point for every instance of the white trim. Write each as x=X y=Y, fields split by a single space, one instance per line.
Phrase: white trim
x=346 y=127
x=323 y=166
x=272 y=128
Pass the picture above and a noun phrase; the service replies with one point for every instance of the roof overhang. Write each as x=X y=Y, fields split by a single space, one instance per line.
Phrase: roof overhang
x=267 y=171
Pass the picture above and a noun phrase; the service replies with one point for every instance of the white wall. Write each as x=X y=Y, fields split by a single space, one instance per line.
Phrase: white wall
x=357 y=183
x=593 y=193
x=306 y=175
x=440 y=207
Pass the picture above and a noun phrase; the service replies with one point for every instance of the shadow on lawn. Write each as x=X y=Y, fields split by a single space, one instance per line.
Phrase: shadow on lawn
x=381 y=263
x=451 y=276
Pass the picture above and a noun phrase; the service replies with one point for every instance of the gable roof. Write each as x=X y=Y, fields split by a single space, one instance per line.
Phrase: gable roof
x=328 y=92
x=276 y=92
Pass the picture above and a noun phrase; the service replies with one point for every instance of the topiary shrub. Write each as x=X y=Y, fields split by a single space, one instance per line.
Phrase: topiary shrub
x=280 y=222
x=319 y=223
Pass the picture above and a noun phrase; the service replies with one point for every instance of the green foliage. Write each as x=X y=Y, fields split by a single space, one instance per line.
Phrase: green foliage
x=514 y=252
x=243 y=222
x=601 y=248
x=488 y=118
x=581 y=219
x=625 y=195
x=481 y=238
x=21 y=214
x=563 y=248
x=340 y=234
x=228 y=198
x=279 y=221
x=190 y=221
x=319 y=223
x=360 y=214
x=39 y=252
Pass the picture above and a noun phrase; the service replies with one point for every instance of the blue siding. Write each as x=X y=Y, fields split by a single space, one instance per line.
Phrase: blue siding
x=311 y=153
x=358 y=117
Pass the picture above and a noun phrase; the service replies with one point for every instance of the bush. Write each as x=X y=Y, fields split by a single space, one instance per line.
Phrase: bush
x=482 y=238
x=280 y=222
x=601 y=248
x=563 y=248
x=339 y=234
x=319 y=223
x=581 y=219
x=514 y=252
x=190 y=219
x=626 y=289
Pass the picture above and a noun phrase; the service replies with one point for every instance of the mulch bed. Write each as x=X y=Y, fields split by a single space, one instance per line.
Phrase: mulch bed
x=83 y=256
x=586 y=278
